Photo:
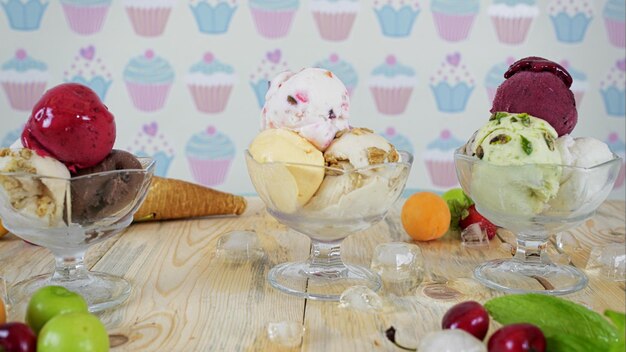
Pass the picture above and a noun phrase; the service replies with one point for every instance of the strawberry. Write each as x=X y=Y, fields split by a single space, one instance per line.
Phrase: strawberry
x=472 y=216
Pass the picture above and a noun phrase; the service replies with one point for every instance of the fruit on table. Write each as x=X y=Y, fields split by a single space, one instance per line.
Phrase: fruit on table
x=520 y=337
x=50 y=301
x=458 y=202
x=3 y=230
x=473 y=217
x=3 y=312
x=470 y=316
x=17 y=337
x=425 y=216
x=73 y=332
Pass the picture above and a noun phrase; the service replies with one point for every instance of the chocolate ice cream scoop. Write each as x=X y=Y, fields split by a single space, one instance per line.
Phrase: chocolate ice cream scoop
x=540 y=88
x=97 y=193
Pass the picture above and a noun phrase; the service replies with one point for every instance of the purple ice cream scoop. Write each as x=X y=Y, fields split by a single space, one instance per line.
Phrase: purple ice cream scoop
x=540 y=88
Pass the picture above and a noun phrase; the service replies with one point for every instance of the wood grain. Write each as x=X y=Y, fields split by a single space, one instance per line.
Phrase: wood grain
x=187 y=298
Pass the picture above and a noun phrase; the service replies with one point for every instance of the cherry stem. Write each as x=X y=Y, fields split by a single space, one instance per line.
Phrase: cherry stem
x=391 y=336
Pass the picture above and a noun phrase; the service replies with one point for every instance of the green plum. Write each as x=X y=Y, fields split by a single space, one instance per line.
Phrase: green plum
x=73 y=332
x=50 y=301
x=458 y=202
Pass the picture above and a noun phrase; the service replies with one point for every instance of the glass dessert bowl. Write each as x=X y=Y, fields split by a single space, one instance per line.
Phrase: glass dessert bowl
x=534 y=201
x=77 y=213
x=346 y=202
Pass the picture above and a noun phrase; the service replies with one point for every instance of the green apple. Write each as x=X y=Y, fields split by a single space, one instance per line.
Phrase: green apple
x=50 y=301
x=73 y=332
x=458 y=202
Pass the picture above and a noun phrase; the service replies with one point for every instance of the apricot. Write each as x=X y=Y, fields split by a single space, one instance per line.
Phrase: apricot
x=425 y=216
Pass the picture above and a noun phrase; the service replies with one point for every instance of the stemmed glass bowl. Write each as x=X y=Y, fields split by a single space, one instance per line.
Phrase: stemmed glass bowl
x=92 y=208
x=346 y=202
x=534 y=201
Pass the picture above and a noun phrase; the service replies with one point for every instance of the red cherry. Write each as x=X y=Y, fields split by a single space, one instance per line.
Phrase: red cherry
x=17 y=337
x=517 y=338
x=470 y=316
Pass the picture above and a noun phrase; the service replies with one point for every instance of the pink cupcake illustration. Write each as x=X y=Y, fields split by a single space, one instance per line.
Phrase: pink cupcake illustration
x=342 y=69
x=614 y=15
x=273 y=18
x=512 y=19
x=148 y=79
x=210 y=154
x=150 y=142
x=149 y=17
x=89 y=70
x=439 y=159
x=618 y=147
x=271 y=65
x=334 y=18
x=24 y=80
x=400 y=141
x=85 y=16
x=454 y=18
x=391 y=85
x=210 y=82
x=452 y=84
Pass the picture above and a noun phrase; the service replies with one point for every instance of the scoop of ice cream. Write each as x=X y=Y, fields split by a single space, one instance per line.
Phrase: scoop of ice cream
x=359 y=147
x=291 y=185
x=540 y=88
x=99 y=193
x=577 y=188
x=516 y=139
x=38 y=198
x=313 y=102
x=70 y=124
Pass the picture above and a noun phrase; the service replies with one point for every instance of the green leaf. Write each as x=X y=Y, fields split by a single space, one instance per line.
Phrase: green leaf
x=571 y=343
x=618 y=319
x=554 y=316
x=618 y=347
x=527 y=146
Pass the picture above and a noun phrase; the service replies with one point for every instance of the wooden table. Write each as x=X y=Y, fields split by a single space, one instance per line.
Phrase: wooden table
x=186 y=299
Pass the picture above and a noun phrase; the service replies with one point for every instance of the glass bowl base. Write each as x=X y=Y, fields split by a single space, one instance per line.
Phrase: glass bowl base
x=101 y=291
x=515 y=276
x=302 y=280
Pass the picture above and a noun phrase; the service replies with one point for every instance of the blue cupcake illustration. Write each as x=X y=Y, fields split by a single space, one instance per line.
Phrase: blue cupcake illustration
x=613 y=90
x=614 y=14
x=151 y=142
x=618 y=147
x=89 y=70
x=11 y=137
x=24 y=15
x=342 y=69
x=213 y=17
x=452 y=84
x=400 y=141
x=495 y=77
x=570 y=19
x=271 y=65
x=396 y=17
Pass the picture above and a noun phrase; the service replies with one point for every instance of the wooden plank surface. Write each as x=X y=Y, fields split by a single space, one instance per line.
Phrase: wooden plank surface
x=186 y=298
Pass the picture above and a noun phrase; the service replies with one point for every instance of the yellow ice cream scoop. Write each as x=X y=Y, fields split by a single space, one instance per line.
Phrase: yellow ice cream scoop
x=287 y=186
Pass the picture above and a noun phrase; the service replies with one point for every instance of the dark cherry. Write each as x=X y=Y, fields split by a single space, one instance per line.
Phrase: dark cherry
x=539 y=64
x=517 y=338
x=470 y=316
x=17 y=337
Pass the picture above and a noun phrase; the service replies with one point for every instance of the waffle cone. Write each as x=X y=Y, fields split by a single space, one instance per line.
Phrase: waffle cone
x=175 y=199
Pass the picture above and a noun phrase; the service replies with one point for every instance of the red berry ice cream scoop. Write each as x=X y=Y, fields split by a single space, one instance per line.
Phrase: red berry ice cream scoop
x=538 y=87
x=70 y=124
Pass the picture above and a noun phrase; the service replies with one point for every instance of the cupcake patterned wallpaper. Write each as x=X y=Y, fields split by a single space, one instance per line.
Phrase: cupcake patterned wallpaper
x=186 y=78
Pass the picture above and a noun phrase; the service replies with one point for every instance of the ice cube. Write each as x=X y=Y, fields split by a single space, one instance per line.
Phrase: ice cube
x=400 y=266
x=567 y=243
x=360 y=298
x=286 y=333
x=474 y=236
x=609 y=260
x=239 y=246
x=560 y=258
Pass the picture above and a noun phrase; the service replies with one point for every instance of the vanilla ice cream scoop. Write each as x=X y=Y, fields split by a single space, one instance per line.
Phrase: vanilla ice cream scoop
x=288 y=186
x=359 y=147
x=313 y=103
x=36 y=198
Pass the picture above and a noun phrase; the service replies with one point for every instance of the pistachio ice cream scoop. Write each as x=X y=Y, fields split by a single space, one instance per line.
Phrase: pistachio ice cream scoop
x=516 y=139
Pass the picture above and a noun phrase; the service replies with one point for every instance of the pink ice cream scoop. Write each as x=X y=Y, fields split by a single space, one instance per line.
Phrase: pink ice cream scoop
x=540 y=88
x=313 y=103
